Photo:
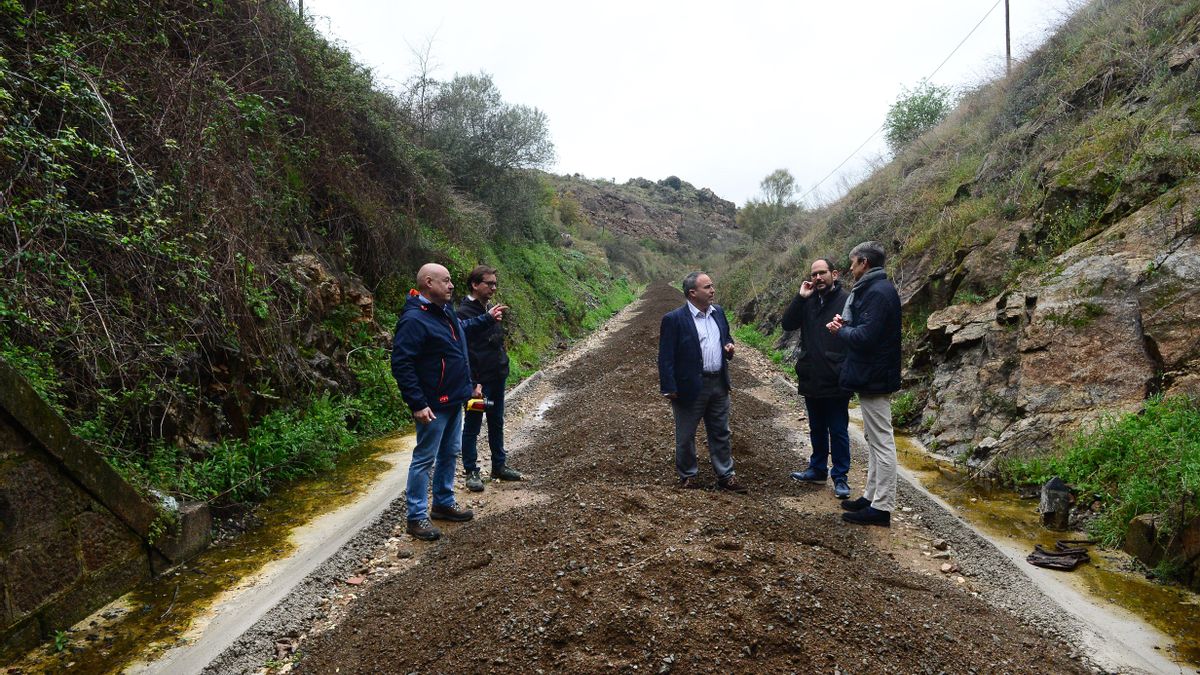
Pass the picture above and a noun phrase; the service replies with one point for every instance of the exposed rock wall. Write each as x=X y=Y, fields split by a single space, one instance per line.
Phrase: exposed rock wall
x=1103 y=326
x=669 y=210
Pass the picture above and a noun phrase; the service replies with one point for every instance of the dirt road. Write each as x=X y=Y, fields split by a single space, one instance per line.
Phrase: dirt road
x=599 y=563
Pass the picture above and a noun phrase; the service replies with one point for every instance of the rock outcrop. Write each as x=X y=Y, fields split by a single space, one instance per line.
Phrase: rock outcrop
x=670 y=210
x=1094 y=331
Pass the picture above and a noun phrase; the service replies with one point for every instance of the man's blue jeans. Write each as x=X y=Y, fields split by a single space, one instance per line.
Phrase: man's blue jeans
x=473 y=421
x=438 y=444
x=829 y=432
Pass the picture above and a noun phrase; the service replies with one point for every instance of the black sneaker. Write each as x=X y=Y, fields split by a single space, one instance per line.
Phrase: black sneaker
x=423 y=529
x=856 y=504
x=506 y=473
x=451 y=513
x=474 y=481
x=689 y=483
x=869 y=516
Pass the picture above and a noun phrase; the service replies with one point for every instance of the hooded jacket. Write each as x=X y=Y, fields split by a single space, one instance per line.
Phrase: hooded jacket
x=429 y=354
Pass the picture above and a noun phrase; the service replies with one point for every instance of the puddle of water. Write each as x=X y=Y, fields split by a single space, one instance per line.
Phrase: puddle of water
x=1004 y=515
x=153 y=616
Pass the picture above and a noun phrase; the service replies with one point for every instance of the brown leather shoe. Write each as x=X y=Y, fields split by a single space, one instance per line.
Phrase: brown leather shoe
x=689 y=483
x=423 y=529
x=732 y=484
x=451 y=513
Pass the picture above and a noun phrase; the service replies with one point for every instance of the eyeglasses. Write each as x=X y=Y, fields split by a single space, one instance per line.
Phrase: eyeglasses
x=490 y=284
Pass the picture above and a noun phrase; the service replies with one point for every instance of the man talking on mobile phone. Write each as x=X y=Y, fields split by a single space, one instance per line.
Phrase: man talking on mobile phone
x=818 y=367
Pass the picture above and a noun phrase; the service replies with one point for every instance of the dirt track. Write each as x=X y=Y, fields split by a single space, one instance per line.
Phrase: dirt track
x=599 y=563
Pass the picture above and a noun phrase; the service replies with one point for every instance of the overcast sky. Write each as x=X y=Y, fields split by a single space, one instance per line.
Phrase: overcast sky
x=717 y=93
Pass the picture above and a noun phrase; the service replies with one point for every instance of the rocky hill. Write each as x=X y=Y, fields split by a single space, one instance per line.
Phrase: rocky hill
x=684 y=225
x=1045 y=238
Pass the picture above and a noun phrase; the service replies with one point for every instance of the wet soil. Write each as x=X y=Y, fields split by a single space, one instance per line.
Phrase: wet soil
x=598 y=562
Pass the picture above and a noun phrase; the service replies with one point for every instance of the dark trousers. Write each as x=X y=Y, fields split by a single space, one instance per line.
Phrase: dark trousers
x=472 y=423
x=829 y=432
x=712 y=406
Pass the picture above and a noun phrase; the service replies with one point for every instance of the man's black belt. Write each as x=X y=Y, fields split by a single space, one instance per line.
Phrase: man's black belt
x=716 y=374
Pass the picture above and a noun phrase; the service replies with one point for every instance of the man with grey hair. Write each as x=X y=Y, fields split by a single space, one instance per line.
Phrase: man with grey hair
x=694 y=348
x=869 y=327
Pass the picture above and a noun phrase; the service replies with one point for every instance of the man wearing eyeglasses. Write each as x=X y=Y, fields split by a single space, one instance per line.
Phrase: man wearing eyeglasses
x=869 y=329
x=489 y=367
x=818 y=367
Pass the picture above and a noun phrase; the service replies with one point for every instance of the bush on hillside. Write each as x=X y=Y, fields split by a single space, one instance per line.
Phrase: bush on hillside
x=916 y=111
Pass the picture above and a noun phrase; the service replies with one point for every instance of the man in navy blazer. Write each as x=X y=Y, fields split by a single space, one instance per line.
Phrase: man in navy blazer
x=694 y=348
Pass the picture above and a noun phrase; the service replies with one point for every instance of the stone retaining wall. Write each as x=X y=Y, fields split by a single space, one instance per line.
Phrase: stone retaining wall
x=73 y=534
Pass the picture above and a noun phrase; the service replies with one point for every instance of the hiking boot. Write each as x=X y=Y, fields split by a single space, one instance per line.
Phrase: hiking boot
x=732 y=484
x=808 y=476
x=689 y=483
x=506 y=473
x=856 y=504
x=423 y=529
x=474 y=481
x=841 y=489
x=869 y=516
x=451 y=513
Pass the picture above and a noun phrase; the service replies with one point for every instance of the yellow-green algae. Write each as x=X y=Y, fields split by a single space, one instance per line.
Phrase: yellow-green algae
x=1003 y=514
x=161 y=610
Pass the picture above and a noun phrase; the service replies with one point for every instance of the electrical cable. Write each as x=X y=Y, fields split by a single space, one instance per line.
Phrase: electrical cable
x=884 y=125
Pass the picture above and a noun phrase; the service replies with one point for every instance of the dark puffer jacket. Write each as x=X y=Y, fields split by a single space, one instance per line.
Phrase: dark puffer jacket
x=429 y=354
x=489 y=361
x=872 y=340
x=819 y=363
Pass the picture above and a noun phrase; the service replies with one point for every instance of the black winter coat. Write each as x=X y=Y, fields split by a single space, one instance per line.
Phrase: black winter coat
x=872 y=340
x=819 y=363
x=489 y=360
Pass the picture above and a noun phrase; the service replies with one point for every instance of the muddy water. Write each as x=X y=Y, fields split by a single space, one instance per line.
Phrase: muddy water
x=155 y=616
x=1004 y=515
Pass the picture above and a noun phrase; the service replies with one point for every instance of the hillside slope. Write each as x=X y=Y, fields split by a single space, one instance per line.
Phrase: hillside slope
x=1045 y=238
x=209 y=218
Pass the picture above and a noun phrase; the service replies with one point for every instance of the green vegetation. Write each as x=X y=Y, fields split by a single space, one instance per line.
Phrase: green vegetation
x=753 y=337
x=906 y=409
x=61 y=640
x=916 y=111
x=201 y=255
x=1139 y=463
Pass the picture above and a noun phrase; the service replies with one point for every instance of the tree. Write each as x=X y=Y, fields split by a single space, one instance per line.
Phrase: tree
x=779 y=188
x=916 y=111
x=480 y=136
x=763 y=218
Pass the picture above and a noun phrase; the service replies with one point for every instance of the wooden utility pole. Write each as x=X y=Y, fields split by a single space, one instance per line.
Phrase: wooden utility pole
x=1007 y=41
x=301 y=6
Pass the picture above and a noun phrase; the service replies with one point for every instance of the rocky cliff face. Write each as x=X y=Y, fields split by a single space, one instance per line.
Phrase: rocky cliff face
x=670 y=210
x=1094 y=331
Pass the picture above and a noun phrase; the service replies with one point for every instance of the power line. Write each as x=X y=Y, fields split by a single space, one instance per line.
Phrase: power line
x=884 y=125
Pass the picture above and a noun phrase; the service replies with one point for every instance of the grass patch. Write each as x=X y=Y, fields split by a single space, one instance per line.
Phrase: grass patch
x=1147 y=463
x=755 y=338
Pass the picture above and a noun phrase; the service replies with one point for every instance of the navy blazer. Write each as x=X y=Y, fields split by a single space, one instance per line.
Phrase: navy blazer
x=680 y=363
